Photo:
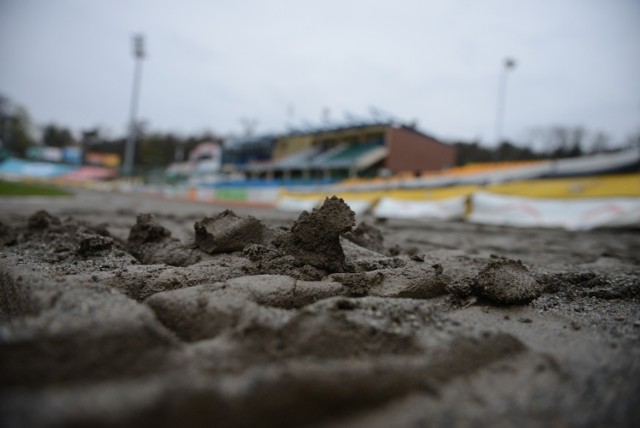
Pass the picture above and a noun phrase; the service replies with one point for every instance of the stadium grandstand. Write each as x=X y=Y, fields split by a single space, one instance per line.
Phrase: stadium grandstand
x=339 y=152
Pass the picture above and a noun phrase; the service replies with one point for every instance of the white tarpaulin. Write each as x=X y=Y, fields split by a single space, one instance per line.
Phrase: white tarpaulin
x=448 y=209
x=292 y=204
x=571 y=214
x=358 y=206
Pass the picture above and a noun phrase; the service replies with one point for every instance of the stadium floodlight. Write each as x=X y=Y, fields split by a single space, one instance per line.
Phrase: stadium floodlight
x=509 y=64
x=139 y=54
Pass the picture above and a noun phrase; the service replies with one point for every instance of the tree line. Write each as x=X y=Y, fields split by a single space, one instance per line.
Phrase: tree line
x=153 y=148
x=551 y=142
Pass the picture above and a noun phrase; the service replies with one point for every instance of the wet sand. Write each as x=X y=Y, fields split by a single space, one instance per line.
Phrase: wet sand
x=193 y=316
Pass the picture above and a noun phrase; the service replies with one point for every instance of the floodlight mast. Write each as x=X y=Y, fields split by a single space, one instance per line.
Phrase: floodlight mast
x=139 y=54
x=509 y=64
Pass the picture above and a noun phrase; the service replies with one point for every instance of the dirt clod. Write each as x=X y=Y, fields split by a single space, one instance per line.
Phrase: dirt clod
x=417 y=257
x=151 y=243
x=367 y=236
x=503 y=281
x=228 y=232
x=8 y=235
x=508 y=282
x=147 y=229
x=89 y=243
x=315 y=236
x=42 y=220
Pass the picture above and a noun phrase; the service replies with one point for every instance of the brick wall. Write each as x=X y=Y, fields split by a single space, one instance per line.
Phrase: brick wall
x=411 y=151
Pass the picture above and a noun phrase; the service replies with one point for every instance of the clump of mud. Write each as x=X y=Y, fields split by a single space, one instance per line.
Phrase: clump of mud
x=147 y=230
x=228 y=232
x=502 y=281
x=315 y=237
x=312 y=249
x=151 y=243
x=91 y=243
x=8 y=235
x=367 y=236
x=42 y=220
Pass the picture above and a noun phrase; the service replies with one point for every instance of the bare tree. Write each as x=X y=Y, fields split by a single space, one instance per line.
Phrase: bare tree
x=568 y=141
x=600 y=142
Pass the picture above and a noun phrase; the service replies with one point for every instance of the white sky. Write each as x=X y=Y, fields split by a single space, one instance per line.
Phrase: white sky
x=212 y=63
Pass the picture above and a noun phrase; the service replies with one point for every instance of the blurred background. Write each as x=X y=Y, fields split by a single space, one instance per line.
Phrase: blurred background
x=280 y=102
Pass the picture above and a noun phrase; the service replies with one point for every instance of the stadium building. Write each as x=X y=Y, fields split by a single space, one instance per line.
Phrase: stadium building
x=335 y=153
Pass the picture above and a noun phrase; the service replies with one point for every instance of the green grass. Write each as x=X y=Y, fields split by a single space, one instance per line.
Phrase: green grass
x=231 y=194
x=8 y=188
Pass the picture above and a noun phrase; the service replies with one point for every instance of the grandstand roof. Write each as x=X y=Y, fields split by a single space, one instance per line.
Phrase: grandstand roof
x=340 y=157
x=321 y=129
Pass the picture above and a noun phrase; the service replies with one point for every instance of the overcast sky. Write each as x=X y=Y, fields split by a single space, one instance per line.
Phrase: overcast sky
x=211 y=63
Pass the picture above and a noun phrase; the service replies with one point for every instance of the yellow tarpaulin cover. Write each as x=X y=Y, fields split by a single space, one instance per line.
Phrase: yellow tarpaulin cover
x=619 y=185
x=627 y=185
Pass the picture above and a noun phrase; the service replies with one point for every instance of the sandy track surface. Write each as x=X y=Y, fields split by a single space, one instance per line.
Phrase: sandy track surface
x=196 y=316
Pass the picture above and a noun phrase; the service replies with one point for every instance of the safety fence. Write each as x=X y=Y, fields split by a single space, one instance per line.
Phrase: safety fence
x=574 y=204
